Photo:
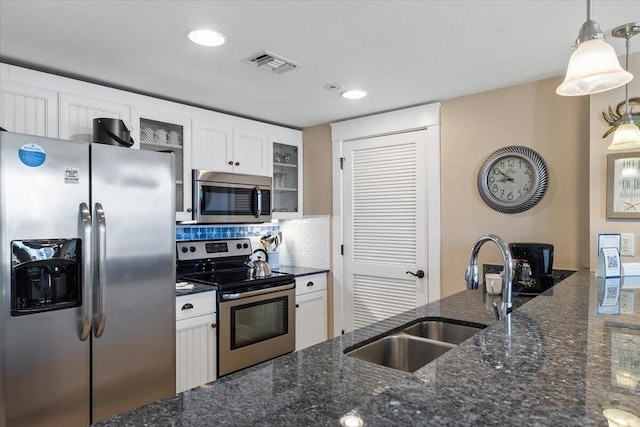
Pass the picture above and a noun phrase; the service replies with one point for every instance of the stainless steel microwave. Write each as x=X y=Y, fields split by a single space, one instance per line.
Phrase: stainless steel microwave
x=225 y=198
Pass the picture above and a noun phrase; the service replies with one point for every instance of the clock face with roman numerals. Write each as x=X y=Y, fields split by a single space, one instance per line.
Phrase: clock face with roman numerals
x=513 y=179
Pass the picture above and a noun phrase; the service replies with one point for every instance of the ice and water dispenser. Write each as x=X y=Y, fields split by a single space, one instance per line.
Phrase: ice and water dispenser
x=45 y=275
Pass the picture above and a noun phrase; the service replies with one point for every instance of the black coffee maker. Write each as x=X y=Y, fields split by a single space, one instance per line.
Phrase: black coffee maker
x=532 y=269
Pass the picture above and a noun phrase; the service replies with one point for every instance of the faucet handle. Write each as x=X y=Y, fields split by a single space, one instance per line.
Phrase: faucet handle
x=496 y=310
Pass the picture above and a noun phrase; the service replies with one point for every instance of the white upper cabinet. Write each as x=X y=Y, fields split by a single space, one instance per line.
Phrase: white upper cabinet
x=44 y=104
x=250 y=152
x=77 y=114
x=167 y=132
x=28 y=109
x=230 y=149
x=287 y=178
x=212 y=147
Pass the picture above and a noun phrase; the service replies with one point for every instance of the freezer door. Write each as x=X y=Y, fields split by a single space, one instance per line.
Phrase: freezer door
x=45 y=372
x=133 y=359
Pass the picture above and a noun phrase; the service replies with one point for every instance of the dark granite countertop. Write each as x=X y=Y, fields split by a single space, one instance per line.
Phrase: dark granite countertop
x=197 y=288
x=297 y=271
x=565 y=364
x=300 y=271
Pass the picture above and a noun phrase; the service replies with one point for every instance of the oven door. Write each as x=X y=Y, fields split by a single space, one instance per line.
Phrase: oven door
x=255 y=326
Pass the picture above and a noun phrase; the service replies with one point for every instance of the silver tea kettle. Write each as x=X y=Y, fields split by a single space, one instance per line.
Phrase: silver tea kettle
x=259 y=268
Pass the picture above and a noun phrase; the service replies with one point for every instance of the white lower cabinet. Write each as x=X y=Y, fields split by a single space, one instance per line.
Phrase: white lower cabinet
x=196 y=331
x=311 y=310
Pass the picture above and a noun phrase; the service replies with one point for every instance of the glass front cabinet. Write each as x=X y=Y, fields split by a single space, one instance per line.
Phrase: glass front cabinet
x=287 y=179
x=164 y=132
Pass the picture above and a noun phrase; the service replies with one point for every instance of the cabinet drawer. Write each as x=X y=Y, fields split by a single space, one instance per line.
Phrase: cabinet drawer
x=311 y=283
x=195 y=305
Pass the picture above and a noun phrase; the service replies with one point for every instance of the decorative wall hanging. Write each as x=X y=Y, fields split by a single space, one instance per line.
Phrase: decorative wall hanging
x=623 y=185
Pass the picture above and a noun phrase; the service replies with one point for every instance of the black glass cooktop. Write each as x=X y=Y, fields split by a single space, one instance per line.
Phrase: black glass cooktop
x=236 y=279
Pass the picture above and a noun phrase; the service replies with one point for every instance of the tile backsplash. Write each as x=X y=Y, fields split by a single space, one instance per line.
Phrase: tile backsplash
x=205 y=232
x=306 y=242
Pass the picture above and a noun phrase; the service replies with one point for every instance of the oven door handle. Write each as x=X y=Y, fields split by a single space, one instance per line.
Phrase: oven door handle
x=248 y=294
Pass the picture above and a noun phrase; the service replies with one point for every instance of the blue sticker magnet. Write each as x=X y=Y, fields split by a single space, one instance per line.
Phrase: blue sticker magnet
x=32 y=155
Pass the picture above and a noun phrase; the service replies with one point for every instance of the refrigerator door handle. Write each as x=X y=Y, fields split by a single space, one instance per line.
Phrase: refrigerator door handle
x=102 y=271
x=87 y=271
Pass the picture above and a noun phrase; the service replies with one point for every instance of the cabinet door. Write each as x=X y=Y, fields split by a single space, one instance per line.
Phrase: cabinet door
x=212 y=147
x=250 y=152
x=77 y=114
x=195 y=352
x=287 y=179
x=311 y=319
x=28 y=109
x=161 y=131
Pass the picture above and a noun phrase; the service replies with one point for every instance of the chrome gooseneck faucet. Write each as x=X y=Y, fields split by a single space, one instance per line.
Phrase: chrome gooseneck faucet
x=471 y=275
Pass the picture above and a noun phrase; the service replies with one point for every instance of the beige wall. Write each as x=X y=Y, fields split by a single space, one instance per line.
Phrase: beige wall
x=317 y=170
x=566 y=132
x=531 y=115
x=598 y=164
x=317 y=188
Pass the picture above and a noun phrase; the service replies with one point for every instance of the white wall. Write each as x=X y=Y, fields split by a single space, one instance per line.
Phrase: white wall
x=306 y=242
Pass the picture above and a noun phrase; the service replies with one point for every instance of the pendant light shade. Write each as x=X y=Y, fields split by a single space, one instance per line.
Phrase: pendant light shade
x=626 y=137
x=593 y=68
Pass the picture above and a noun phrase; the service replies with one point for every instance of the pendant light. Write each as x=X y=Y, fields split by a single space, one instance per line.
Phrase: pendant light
x=593 y=66
x=627 y=135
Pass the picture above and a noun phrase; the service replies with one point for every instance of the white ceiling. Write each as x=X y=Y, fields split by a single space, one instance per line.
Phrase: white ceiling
x=402 y=52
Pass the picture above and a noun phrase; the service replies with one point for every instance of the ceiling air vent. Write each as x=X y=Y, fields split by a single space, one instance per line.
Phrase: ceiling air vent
x=271 y=62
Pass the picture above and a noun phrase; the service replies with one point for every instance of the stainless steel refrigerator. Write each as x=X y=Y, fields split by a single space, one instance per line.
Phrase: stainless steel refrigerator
x=87 y=302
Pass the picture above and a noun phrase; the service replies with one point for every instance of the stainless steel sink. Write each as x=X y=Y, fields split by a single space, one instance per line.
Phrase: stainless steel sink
x=413 y=346
x=442 y=331
x=401 y=351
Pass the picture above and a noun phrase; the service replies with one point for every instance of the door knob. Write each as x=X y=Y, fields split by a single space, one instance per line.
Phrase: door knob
x=419 y=274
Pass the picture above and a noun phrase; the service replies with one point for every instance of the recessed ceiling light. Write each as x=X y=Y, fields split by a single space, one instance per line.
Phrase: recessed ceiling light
x=354 y=94
x=207 y=37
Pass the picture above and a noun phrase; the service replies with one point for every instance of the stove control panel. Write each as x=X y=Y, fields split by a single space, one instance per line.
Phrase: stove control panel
x=211 y=249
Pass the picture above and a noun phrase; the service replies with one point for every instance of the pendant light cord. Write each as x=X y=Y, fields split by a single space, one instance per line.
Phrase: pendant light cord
x=588 y=10
x=626 y=87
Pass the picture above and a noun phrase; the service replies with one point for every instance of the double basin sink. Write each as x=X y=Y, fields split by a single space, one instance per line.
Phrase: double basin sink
x=415 y=344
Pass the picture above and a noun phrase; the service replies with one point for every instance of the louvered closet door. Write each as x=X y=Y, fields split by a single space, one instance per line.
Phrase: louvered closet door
x=385 y=231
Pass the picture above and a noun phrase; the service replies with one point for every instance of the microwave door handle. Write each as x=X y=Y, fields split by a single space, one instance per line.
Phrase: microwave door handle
x=259 y=202
x=87 y=271
x=102 y=271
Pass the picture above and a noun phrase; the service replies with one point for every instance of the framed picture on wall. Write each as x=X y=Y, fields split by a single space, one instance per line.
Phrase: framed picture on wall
x=623 y=185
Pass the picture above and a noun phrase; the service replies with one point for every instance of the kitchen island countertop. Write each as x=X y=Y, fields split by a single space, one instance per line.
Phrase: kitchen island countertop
x=564 y=365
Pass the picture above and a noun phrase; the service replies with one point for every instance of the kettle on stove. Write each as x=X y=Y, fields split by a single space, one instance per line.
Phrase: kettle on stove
x=257 y=267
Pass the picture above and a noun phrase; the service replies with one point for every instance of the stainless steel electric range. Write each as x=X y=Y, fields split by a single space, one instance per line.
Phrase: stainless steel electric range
x=256 y=315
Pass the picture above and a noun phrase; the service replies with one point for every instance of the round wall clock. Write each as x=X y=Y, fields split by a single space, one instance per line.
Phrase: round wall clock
x=513 y=179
